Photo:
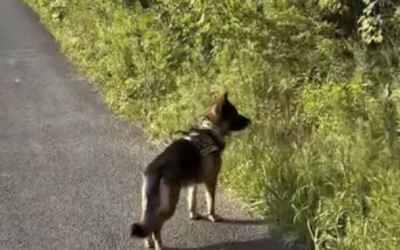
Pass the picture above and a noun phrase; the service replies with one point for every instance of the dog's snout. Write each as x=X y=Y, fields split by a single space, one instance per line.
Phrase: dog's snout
x=239 y=123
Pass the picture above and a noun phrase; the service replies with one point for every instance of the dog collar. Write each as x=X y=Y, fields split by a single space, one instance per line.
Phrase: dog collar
x=207 y=124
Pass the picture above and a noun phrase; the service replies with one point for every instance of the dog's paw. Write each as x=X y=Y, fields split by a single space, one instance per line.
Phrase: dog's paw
x=158 y=247
x=213 y=218
x=194 y=216
x=149 y=243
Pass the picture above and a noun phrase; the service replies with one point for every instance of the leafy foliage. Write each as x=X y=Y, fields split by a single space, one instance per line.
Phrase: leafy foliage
x=319 y=78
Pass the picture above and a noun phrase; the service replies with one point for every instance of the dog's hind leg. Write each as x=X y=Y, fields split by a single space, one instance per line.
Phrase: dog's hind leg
x=169 y=197
x=192 y=201
x=150 y=205
x=148 y=241
x=211 y=186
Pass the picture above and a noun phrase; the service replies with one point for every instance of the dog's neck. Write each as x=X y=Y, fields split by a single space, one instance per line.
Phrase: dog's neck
x=214 y=129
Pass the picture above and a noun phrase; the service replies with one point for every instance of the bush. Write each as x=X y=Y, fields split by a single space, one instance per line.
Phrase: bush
x=321 y=157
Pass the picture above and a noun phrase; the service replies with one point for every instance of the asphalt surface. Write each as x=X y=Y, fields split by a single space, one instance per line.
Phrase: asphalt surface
x=70 y=170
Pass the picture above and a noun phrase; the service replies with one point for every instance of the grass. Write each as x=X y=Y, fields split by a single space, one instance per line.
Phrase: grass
x=321 y=156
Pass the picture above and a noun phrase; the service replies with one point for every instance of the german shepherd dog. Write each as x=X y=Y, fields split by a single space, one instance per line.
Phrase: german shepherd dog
x=186 y=162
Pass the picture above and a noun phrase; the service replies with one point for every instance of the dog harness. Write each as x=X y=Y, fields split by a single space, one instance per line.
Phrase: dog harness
x=203 y=140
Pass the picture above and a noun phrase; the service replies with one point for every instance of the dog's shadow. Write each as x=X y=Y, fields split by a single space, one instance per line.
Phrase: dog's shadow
x=248 y=222
x=271 y=242
x=264 y=243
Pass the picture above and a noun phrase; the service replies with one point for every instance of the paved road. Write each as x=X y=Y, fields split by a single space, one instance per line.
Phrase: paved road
x=69 y=170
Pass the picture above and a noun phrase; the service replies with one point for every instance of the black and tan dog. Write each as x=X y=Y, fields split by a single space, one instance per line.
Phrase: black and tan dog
x=194 y=159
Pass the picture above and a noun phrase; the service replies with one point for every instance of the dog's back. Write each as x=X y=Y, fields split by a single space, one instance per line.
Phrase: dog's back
x=179 y=163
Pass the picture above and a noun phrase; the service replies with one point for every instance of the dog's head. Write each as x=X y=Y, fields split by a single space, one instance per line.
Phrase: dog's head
x=226 y=116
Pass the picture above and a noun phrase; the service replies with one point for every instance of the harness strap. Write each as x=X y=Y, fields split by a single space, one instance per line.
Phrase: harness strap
x=204 y=142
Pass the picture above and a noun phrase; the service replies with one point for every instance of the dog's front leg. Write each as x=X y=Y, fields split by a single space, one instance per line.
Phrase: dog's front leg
x=149 y=242
x=192 y=201
x=210 y=197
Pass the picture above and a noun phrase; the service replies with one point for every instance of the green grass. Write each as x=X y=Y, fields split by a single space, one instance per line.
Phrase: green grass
x=321 y=155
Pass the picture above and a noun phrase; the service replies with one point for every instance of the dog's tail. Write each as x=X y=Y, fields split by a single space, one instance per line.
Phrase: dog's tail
x=150 y=203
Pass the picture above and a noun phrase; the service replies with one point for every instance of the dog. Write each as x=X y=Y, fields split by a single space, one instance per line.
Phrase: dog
x=187 y=162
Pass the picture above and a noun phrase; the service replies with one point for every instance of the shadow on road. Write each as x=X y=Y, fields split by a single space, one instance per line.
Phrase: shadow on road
x=257 y=244
x=249 y=222
x=272 y=242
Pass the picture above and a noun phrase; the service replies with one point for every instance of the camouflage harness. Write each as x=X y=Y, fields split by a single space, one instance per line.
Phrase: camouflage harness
x=204 y=137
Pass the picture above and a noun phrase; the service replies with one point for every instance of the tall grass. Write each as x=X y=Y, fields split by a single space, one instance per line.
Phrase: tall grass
x=321 y=155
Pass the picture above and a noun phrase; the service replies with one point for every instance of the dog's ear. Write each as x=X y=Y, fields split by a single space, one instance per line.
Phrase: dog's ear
x=223 y=99
x=214 y=95
x=216 y=109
